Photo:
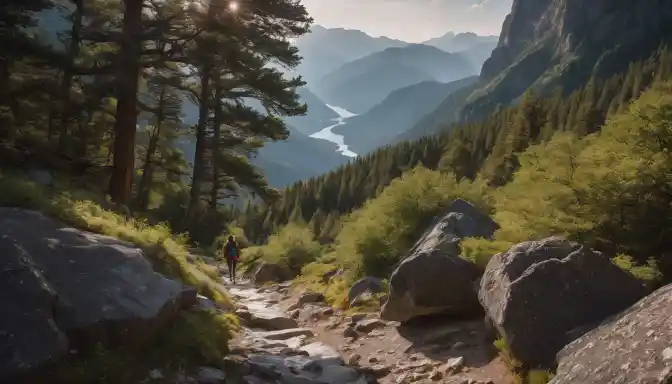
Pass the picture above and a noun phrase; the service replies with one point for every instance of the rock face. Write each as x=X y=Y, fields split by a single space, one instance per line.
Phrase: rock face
x=434 y=279
x=64 y=289
x=562 y=42
x=541 y=295
x=633 y=347
x=270 y=273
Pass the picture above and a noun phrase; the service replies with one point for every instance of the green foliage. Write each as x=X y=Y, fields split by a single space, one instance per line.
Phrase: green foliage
x=648 y=272
x=195 y=339
x=293 y=247
x=84 y=210
x=479 y=250
x=376 y=237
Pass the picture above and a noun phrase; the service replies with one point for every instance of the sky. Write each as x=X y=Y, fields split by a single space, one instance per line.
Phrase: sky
x=411 y=20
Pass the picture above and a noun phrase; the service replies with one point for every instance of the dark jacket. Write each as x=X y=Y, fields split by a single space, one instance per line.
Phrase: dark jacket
x=231 y=250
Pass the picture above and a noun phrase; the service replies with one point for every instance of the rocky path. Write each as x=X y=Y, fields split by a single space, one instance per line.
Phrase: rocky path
x=295 y=338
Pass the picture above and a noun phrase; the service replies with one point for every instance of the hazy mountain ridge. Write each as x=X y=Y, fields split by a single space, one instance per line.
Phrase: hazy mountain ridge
x=396 y=114
x=363 y=83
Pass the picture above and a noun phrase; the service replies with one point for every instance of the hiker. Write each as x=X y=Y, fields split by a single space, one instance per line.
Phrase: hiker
x=232 y=253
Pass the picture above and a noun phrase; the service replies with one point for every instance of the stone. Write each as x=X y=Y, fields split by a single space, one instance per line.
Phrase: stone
x=321 y=350
x=350 y=332
x=270 y=273
x=41 y=177
x=205 y=303
x=69 y=289
x=634 y=347
x=453 y=365
x=358 y=317
x=354 y=359
x=519 y=284
x=208 y=375
x=310 y=297
x=435 y=375
x=433 y=278
x=381 y=370
x=370 y=285
x=368 y=325
x=285 y=334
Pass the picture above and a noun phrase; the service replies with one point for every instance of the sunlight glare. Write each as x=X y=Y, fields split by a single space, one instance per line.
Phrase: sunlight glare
x=233 y=6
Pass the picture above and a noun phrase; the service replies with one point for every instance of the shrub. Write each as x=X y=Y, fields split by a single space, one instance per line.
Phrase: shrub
x=479 y=251
x=293 y=247
x=375 y=238
x=649 y=272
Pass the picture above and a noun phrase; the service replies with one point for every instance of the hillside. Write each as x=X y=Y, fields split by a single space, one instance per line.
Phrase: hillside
x=325 y=49
x=396 y=114
x=571 y=43
x=318 y=116
x=361 y=84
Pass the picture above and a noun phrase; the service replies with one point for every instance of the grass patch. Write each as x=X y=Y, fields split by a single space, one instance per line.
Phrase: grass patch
x=196 y=339
x=88 y=211
x=648 y=272
x=519 y=373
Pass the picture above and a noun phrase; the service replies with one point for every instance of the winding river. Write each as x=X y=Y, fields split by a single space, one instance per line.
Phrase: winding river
x=328 y=135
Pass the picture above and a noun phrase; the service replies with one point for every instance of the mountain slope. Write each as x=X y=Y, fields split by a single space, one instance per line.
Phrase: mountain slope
x=325 y=49
x=451 y=42
x=297 y=158
x=318 y=117
x=547 y=44
x=396 y=114
x=361 y=84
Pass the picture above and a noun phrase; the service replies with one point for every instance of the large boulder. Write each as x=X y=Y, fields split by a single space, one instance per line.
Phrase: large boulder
x=66 y=290
x=634 y=347
x=270 y=273
x=434 y=279
x=541 y=295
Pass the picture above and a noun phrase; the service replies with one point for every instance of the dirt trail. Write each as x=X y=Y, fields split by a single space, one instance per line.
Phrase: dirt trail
x=433 y=350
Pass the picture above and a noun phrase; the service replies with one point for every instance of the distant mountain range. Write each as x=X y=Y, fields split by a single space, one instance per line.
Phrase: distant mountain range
x=396 y=114
x=361 y=84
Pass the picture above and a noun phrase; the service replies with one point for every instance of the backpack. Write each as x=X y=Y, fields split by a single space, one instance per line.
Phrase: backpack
x=232 y=251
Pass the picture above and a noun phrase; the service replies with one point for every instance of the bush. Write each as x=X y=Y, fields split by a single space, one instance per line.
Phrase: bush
x=648 y=273
x=196 y=339
x=479 y=251
x=375 y=238
x=293 y=247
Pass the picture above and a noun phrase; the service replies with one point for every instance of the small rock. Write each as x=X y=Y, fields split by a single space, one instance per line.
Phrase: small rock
x=373 y=359
x=155 y=374
x=436 y=375
x=350 y=332
x=354 y=359
x=381 y=370
x=328 y=311
x=453 y=365
x=358 y=317
x=287 y=334
x=419 y=376
x=368 y=325
x=208 y=375
x=310 y=297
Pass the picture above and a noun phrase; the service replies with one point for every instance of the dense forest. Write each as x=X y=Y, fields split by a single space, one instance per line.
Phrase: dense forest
x=101 y=101
x=488 y=150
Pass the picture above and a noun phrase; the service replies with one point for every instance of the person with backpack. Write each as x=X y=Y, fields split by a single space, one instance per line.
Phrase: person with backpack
x=232 y=254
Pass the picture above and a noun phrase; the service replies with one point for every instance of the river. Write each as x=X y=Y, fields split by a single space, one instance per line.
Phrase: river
x=328 y=135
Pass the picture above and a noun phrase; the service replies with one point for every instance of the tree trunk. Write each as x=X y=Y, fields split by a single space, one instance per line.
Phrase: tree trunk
x=217 y=122
x=66 y=83
x=127 y=103
x=148 y=167
x=199 y=156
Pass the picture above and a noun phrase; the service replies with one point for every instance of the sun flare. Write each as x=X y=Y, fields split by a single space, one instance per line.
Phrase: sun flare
x=233 y=6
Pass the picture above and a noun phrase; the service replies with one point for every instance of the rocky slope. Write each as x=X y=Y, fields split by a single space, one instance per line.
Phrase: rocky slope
x=549 y=43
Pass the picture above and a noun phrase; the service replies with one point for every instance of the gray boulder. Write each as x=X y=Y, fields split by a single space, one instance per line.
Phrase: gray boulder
x=434 y=279
x=543 y=294
x=372 y=285
x=64 y=289
x=270 y=273
x=633 y=347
